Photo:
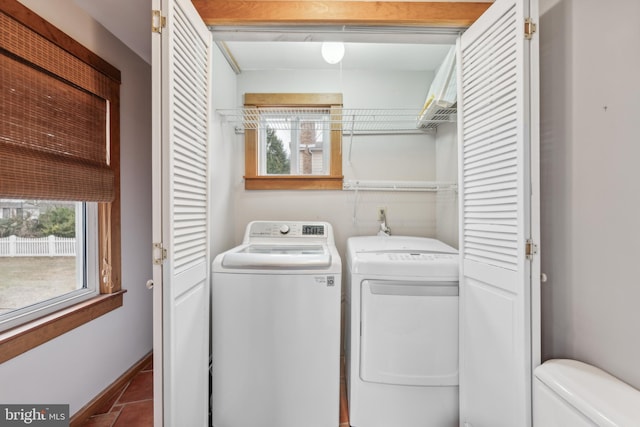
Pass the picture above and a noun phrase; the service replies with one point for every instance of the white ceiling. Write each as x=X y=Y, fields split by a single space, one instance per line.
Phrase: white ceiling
x=306 y=55
x=130 y=21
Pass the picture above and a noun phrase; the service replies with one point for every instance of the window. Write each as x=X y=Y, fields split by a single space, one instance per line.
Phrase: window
x=293 y=141
x=59 y=182
x=292 y=145
x=46 y=253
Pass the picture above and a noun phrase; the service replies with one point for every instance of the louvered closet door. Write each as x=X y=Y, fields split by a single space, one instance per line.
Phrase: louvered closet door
x=496 y=199
x=181 y=58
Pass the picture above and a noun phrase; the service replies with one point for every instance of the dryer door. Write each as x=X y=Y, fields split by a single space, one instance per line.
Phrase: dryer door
x=409 y=333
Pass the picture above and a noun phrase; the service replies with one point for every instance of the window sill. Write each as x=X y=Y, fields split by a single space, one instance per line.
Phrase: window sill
x=28 y=336
x=293 y=183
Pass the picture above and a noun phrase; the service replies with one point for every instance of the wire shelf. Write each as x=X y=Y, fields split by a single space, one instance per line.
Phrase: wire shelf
x=421 y=186
x=347 y=120
x=439 y=115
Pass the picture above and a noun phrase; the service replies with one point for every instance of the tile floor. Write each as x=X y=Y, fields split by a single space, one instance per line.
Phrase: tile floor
x=133 y=405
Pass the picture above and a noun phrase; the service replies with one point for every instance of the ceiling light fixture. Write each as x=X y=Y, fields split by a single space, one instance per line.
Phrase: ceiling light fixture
x=332 y=52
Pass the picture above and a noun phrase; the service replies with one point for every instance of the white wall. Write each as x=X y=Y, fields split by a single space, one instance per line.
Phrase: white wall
x=77 y=366
x=591 y=182
x=390 y=157
x=447 y=224
x=223 y=153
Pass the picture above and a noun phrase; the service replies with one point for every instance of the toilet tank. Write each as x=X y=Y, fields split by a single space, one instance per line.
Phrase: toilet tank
x=568 y=393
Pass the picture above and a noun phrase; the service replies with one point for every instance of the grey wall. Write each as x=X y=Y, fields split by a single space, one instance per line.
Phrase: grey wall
x=76 y=366
x=590 y=148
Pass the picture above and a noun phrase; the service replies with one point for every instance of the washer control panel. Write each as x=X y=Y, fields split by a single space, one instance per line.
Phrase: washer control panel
x=313 y=230
x=260 y=229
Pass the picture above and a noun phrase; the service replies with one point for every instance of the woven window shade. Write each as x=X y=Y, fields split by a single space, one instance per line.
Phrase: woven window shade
x=54 y=127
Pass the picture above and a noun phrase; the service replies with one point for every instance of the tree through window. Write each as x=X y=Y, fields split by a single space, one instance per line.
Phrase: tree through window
x=277 y=157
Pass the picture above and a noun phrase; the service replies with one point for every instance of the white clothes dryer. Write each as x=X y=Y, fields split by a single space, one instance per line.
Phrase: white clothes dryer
x=276 y=328
x=401 y=335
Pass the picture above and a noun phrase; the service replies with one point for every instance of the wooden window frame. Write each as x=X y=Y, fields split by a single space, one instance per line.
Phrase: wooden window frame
x=333 y=181
x=23 y=338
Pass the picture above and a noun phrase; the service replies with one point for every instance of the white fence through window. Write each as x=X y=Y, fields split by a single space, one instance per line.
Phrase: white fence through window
x=39 y=246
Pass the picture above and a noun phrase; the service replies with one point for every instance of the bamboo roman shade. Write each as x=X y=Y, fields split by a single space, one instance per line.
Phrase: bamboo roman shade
x=54 y=126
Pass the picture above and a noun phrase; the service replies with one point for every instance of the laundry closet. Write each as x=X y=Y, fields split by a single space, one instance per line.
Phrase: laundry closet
x=399 y=160
x=390 y=159
x=403 y=176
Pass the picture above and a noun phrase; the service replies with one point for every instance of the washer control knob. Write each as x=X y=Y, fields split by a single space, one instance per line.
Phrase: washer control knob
x=284 y=229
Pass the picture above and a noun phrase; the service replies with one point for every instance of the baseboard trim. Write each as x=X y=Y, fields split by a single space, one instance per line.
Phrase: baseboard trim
x=101 y=399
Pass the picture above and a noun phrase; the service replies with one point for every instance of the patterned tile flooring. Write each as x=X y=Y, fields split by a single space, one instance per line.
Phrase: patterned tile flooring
x=133 y=405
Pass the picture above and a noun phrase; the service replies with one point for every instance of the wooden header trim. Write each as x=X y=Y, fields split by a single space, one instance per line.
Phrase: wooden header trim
x=260 y=12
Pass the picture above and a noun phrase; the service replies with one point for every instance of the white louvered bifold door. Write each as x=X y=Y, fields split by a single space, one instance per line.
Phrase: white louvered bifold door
x=181 y=62
x=496 y=200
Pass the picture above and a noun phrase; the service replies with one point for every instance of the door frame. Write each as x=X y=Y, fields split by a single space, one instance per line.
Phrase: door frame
x=452 y=16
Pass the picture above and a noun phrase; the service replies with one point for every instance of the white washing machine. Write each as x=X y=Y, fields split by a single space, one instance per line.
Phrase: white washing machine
x=401 y=336
x=276 y=328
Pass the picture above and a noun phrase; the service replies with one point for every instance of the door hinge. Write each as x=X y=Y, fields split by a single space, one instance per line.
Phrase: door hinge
x=159 y=253
x=529 y=28
x=530 y=249
x=158 y=22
